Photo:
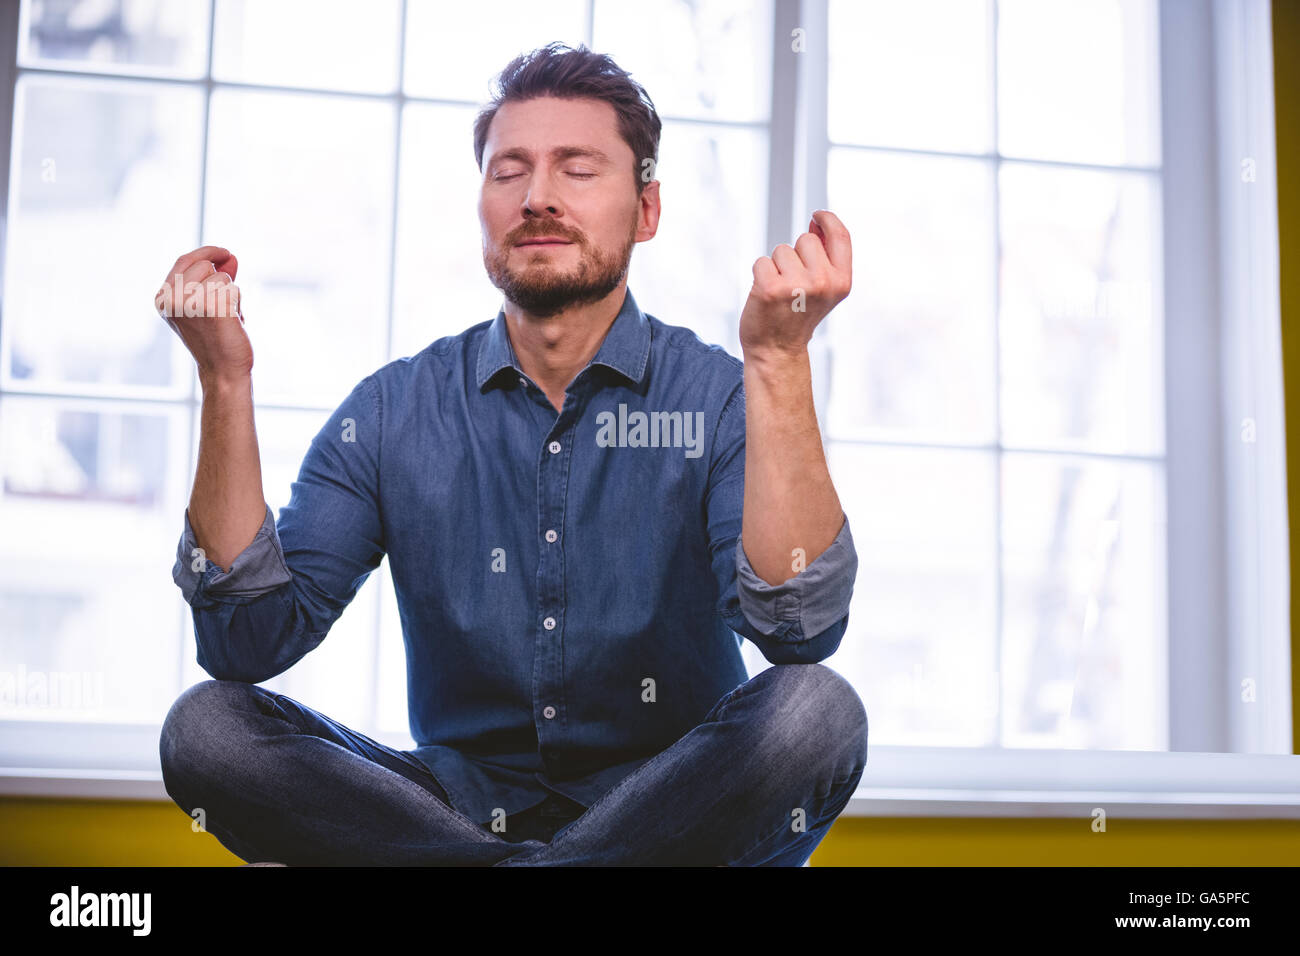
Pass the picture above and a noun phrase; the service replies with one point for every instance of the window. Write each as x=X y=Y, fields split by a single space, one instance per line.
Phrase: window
x=997 y=373
x=352 y=251
x=1019 y=399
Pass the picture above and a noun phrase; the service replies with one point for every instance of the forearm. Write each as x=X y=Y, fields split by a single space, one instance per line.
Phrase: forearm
x=791 y=510
x=227 y=505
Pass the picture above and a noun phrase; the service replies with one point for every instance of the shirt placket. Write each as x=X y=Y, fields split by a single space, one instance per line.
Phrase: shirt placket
x=554 y=464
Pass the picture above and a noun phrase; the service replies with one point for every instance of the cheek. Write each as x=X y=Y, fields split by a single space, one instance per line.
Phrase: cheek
x=494 y=215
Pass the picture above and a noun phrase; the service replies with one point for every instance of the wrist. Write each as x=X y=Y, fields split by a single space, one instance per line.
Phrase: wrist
x=776 y=363
x=225 y=383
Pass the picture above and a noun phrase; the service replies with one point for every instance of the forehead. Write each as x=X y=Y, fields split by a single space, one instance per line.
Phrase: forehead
x=546 y=121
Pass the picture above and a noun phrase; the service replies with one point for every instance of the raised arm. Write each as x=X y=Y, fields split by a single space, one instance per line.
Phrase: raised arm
x=200 y=301
x=264 y=593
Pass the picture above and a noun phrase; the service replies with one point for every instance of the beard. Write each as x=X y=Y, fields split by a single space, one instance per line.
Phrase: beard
x=543 y=289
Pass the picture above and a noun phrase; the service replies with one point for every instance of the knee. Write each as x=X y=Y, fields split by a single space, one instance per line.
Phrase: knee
x=822 y=716
x=196 y=722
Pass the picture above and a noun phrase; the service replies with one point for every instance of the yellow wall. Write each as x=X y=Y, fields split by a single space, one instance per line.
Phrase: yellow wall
x=131 y=833
x=121 y=833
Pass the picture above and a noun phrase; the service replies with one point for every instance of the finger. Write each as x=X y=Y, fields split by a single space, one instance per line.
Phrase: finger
x=835 y=237
x=787 y=260
x=765 y=271
x=191 y=285
x=221 y=297
x=217 y=280
x=170 y=298
x=813 y=256
x=235 y=302
x=198 y=271
x=195 y=273
x=217 y=253
x=230 y=265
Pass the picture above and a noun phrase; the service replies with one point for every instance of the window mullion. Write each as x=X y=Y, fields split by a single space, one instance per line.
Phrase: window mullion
x=801 y=76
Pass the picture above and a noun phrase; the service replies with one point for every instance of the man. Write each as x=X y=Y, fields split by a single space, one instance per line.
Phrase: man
x=562 y=493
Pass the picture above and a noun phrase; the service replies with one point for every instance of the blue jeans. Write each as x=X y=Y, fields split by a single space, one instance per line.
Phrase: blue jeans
x=757 y=783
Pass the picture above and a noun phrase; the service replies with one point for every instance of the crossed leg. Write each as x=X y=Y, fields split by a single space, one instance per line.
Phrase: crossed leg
x=278 y=781
x=757 y=783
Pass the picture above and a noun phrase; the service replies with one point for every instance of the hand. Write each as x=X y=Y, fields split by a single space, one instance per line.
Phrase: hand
x=200 y=301
x=795 y=288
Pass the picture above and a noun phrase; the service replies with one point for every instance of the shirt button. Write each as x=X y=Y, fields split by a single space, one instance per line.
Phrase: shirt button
x=554 y=447
x=549 y=623
x=523 y=382
x=548 y=712
x=551 y=535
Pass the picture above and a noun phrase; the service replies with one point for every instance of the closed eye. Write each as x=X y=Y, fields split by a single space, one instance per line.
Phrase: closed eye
x=504 y=176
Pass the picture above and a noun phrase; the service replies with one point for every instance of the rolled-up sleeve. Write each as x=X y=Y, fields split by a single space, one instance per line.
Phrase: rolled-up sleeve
x=283 y=592
x=813 y=601
x=801 y=620
x=258 y=569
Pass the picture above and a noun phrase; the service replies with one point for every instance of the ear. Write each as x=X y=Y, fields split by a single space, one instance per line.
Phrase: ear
x=648 y=210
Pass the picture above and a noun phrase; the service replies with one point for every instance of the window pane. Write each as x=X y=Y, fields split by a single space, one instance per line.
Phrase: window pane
x=95 y=220
x=336 y=677
x=455 y=57
x=697 y=270
x=1082 y=340
x=442 y=285
x=1078 y=80
x=89 y=504
x=1085 y=646
x=912 y=347
x=300 y=189
x=921 y=644
x=330 y=44
x=913 y=74
x=151 y=37
x=707 y=59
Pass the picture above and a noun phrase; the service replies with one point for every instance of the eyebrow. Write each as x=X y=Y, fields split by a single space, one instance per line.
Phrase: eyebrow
x=559 y=152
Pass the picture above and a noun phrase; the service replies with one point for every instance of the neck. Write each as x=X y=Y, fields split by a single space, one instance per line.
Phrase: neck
x=553 y=349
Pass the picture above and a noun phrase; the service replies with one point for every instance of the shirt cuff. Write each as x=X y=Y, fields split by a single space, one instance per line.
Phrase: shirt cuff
x=813 y=600
x=257 y=569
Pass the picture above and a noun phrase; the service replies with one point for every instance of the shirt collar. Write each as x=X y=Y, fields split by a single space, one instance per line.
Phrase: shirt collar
x=625 y=349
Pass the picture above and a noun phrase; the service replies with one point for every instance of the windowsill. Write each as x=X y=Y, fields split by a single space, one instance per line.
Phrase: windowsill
x=82 y=784
x=938 y=782
x=868 y=802
x=964 y=782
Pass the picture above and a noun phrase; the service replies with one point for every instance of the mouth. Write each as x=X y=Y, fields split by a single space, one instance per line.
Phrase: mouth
x=545 y=241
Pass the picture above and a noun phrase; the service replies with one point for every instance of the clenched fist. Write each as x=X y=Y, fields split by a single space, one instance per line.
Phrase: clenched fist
x=200 y=301
x=796 y=287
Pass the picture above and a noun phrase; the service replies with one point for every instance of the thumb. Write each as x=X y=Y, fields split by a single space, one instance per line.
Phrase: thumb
x=835 y=238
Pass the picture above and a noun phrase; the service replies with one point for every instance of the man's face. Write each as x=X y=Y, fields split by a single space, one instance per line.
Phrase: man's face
x=558 y=168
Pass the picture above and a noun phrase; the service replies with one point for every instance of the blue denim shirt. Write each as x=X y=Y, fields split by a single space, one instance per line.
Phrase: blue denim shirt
x=572 y=588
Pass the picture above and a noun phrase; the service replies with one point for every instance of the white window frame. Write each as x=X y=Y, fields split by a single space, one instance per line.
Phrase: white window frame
x=1227 y=549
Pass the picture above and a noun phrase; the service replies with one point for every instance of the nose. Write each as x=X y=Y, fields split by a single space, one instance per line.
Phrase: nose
x=541 y=198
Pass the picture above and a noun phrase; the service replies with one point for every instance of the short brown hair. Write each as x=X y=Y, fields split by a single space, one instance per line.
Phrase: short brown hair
x=559 y=70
